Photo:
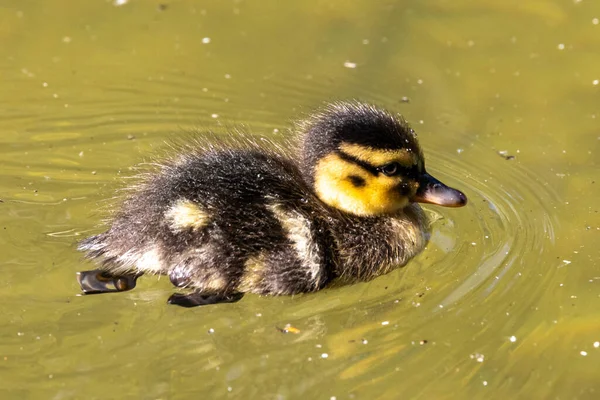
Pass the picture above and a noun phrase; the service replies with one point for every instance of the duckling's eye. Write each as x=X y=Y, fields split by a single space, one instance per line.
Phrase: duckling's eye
x=390 y=169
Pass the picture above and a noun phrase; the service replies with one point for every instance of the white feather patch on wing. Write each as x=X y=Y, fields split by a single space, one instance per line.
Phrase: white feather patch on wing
x=297 y=228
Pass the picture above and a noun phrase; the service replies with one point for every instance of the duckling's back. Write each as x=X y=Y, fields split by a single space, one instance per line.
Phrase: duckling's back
x=221 y=221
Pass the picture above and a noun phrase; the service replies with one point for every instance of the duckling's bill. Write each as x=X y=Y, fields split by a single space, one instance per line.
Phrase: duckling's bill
x=433 y=191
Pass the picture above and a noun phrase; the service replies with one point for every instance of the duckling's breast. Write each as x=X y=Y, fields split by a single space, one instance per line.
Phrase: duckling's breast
x=368 y=247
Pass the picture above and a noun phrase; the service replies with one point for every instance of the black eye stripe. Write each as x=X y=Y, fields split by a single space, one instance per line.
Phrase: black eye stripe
x=411 y=172
x=364 y=165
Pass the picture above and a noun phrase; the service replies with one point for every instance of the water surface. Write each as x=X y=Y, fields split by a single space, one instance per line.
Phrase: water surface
x=503 y=303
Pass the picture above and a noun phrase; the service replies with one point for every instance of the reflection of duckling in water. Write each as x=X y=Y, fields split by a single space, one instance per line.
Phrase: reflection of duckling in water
x=226 y=220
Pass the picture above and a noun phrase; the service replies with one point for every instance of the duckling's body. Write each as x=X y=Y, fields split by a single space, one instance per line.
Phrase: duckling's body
x=226 y=220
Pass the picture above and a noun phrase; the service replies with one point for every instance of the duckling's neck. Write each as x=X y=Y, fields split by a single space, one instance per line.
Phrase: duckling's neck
x=371 y=246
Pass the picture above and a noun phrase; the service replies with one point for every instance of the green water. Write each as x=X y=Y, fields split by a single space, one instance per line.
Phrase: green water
x=504 y=302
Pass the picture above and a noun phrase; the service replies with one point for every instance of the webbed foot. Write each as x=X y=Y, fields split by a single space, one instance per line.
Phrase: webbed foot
x=199 y=299
x=99 y=281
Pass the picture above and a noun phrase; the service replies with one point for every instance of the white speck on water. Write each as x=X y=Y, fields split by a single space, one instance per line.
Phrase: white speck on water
x=473 y=243
x=364 y=341
x=385 y=323
x=349 y=64
x=45 y=84
x=50 y=376
x=215 y=115
x=227 y=76
x=512 y=339
x=484 y=383
x=459 y=150
x=561 y=46
x=596 y=345
x=229 y=388
x=583 y=353
x=20 y=333
x=567 y=262
x=66 y=39
x=595 y=21
x=211 y=330
x=420 y=81
x=421 y=122
x=275 y=130
x=258 y=314
x=119 y=3
x=333 y=398
x=205 y=90
x=206 y=40
x=365 y=41
x=324 y=355
x=318 y=346
x=595 y=82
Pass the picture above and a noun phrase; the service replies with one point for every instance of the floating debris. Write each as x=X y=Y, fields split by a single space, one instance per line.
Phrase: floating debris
x=504 y=154
x=289 y=329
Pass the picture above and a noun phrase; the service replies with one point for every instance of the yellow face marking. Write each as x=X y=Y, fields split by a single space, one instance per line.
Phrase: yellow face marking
x=379 y=194
x=378 y=157
x=185 y=214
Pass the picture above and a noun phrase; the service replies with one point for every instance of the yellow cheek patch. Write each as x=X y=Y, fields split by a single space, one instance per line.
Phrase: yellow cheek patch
x=378 y=157
x=334 y=186
x=184 y=215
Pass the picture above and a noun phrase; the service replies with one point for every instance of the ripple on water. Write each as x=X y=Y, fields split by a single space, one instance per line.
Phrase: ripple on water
x=512 y=217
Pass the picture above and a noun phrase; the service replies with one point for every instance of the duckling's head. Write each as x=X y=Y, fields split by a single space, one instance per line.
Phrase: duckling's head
x=366 y=161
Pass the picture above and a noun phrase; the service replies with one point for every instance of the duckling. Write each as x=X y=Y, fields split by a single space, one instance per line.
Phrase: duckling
x=222 y=220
